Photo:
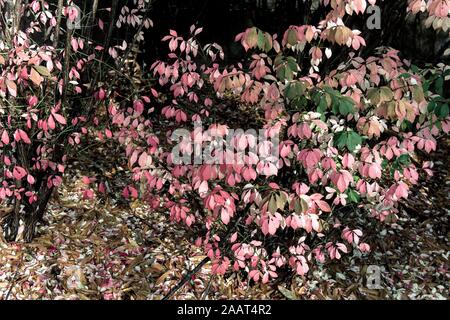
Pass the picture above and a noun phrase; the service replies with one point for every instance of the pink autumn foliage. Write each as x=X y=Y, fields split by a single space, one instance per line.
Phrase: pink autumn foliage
x=349 y=137
x=347 y=149
x=43 y=121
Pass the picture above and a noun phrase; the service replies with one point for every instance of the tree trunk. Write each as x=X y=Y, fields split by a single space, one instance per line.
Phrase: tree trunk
x=11 y=223
x=37 y=214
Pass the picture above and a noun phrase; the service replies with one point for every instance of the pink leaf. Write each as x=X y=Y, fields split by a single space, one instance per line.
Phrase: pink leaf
x=5 y=137
x=36 y=77
x=24 y=136
x=59 y=118
x=348 y=160
x=224 y=216
x=51 y=122
x=102 y=187
x=30 y=179
x=86 y=180
x=364 y=247
x=12 y=87
x=323 y=205
x=375 y=171
x=203 y=188
x=19 y=173
x=100 y=24
x=143 y=158
x=134 y=157
x=74 y=44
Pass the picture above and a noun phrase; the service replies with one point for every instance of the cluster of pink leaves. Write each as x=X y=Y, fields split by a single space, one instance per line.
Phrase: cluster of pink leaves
x=255 y=216
x=438 y=12
x=33 y=80
x=256 y=221
x=27 y=119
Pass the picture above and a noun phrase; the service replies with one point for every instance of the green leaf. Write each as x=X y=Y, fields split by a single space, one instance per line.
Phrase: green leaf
x=349 y=139
x=353 y=196
x=252 y=37
x=340 y=140
x=346 y=106
x=418 y=94
x=426 y=85
x=292 y=63
x=295 y=90
x=354 y=140
x=405 y=76
x=292 y=37
x=267 y=42
x=400 y=162
x=431 y=106
x=386 y=94
x=273 y=204
x=442 y=111
x=406 y=125
x=261 y=40
x=439 y=86
x=322 y=107
x=286 y=68
x=43 y=71
x=404 y=159
x=380 y=95
x=304 y=203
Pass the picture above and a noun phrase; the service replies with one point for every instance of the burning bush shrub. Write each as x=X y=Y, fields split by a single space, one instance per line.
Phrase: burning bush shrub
x=271 y=161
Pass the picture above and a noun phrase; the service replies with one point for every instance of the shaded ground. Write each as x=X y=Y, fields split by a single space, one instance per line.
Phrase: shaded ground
x=97 y=250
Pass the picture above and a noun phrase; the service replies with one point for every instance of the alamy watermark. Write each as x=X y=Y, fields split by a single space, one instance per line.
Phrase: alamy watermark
x=74 y=20
x=373 y=277
x=222 y=145
x=374 y=20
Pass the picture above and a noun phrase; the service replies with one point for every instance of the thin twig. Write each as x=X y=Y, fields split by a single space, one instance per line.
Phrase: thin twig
x=208 y=287
x=13 y=280
x=58 y=24
x=186 y=278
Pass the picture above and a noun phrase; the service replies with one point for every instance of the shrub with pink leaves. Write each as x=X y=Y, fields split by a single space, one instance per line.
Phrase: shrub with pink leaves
x=279 y=151
x=351 y=140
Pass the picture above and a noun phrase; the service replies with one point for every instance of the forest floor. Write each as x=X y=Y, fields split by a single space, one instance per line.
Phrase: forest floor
x=102 y=250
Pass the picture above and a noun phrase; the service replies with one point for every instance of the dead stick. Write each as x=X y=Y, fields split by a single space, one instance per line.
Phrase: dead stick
x=204 y=261
x=206 y=291
x=13 y=280
x=186 y=278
